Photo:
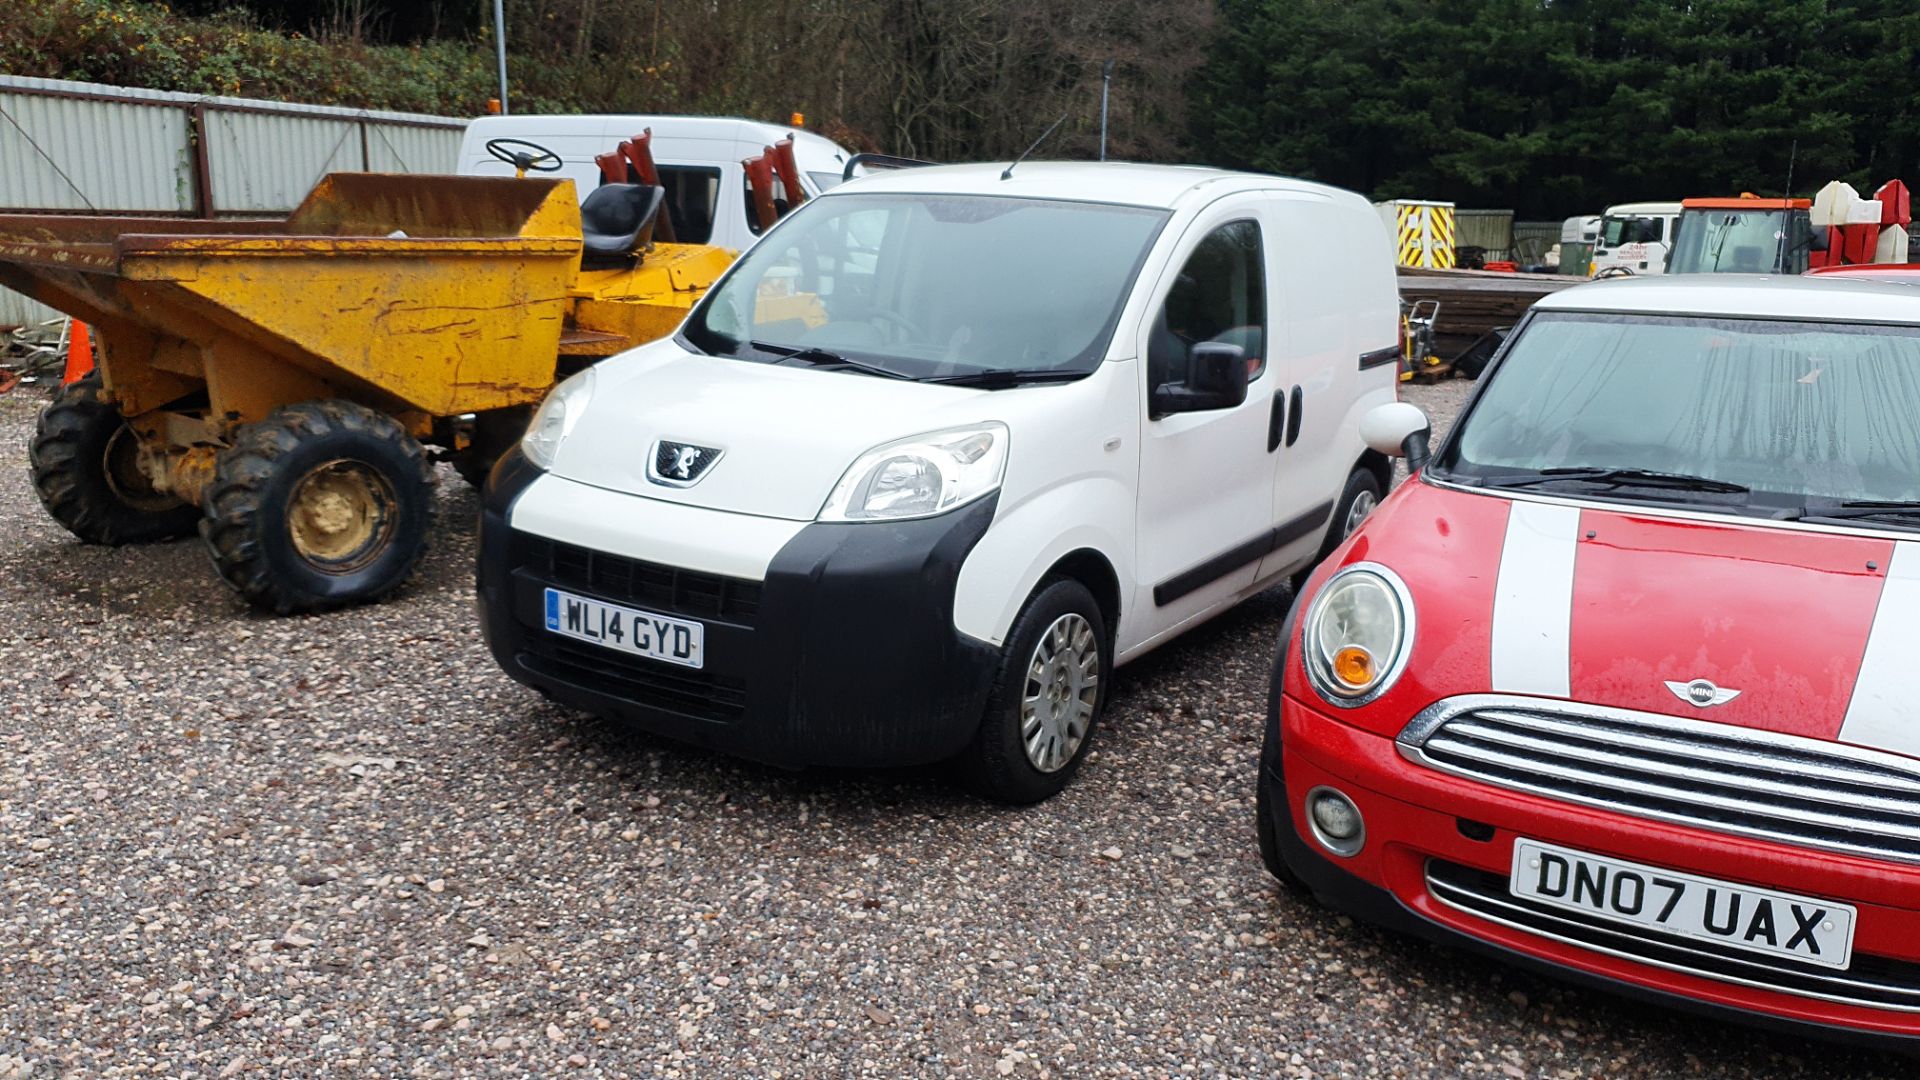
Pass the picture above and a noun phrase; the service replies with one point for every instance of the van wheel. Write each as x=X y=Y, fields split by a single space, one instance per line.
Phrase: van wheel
x=321 y=504
x=1047 y=700
x=1357 y=500
x=86 y=470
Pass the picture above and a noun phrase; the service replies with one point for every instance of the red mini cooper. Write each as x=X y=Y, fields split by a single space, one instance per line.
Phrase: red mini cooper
x=1624 y=684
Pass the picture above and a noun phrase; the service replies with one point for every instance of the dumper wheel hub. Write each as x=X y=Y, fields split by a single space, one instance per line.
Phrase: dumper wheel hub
x=341 y=516
x=120 y=466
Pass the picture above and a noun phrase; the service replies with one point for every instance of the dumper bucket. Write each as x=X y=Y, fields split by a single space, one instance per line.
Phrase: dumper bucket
x=440 y=294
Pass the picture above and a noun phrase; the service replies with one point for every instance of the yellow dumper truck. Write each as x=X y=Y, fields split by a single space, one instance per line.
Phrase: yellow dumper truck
x=275 y=384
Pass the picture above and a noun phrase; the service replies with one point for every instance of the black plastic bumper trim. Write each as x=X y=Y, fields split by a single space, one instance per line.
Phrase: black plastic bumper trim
x=1199 y=577
x=1380 y=357
x=852 y=658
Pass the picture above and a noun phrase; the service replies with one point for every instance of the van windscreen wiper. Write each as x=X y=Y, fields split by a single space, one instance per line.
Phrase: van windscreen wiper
x=1649 y=478
x=1000 y=378
x=826 y=358
x=1905 y=512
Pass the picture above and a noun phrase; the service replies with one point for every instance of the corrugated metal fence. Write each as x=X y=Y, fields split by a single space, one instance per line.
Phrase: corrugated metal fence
x=73 y=147
x=1491 y=231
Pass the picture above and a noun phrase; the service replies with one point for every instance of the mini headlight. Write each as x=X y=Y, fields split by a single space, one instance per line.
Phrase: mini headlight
x=1358 y=634
x=922 y=476
x=554 y=420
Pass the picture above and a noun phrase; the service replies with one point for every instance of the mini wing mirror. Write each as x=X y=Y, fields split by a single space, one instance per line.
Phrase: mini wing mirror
x=1216 y=379
x=1398 y=429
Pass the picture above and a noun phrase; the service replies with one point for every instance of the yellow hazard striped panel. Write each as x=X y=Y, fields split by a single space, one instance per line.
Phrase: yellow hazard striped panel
x=1423 y=236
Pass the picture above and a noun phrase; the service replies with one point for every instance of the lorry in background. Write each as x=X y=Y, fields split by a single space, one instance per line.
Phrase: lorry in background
x=1753 y=235
x=1747 y=235
x=1634 y=239
x=698 y=158
x=1578 y=235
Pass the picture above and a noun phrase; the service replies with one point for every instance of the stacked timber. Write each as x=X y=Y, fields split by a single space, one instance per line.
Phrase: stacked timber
x=1473 y=302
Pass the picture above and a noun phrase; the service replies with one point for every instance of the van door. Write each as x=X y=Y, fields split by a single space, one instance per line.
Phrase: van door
x=1317 y=300
x=1206 y=480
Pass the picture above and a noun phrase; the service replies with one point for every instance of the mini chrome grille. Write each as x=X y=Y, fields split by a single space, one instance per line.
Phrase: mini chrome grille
x=1776 y=787
x=1876 y=981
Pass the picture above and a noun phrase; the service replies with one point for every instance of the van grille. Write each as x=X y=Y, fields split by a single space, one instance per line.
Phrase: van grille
x=700 y=694
x=1784 y=788
x=665 y=589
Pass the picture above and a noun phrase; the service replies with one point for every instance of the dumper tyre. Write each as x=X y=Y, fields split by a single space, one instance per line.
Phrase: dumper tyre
x=320 y=505
x=494 y=433
x=85 y=468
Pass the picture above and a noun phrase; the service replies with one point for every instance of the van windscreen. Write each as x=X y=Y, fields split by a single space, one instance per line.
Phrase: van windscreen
x=932 y=287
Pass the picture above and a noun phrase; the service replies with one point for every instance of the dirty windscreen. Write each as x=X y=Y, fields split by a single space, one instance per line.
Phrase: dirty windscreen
x=1629 y=230
x=1781 y=419
x=1739 y=242
x=932 y=286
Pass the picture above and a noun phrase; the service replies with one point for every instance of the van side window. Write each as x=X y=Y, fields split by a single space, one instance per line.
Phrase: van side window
x=1220 y=295
x=692 y=193
x=780 y=204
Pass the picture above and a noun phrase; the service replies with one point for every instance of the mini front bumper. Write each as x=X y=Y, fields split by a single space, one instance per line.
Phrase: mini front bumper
x=844 y=655
x=1420 y=822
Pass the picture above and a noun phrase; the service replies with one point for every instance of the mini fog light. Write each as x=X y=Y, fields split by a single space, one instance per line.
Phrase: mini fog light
x=1336 y=821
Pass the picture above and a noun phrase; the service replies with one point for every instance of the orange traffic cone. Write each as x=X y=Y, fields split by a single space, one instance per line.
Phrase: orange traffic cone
x=79 y=354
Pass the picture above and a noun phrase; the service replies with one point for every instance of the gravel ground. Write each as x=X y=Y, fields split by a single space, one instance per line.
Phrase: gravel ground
x=347 y=845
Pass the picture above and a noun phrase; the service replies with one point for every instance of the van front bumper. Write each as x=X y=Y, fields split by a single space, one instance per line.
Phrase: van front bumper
x=845 y=654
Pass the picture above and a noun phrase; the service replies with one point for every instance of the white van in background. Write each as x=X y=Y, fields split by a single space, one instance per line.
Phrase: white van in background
x=1635 y=239
x=698 y=158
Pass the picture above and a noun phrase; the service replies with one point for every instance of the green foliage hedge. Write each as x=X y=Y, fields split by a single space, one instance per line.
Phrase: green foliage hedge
x=148 y=45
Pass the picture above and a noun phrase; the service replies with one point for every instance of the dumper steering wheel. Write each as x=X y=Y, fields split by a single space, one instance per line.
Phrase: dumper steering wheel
x=542 y=160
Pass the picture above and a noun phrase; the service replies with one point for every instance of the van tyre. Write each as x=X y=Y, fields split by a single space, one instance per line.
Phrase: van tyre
x=321 y=504
x=1047 y=699
x=1357 y=500
x=494 y=433
x=85 y=464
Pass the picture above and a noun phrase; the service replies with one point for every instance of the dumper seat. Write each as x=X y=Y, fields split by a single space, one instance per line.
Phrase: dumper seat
x=616 y=221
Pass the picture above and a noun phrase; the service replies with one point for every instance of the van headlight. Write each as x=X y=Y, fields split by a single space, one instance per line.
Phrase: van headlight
x=554 y=420
x=922 y=476
x=1358 y=634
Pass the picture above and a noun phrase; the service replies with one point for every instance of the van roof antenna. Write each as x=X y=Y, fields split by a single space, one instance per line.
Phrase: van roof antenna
x=1008 y=175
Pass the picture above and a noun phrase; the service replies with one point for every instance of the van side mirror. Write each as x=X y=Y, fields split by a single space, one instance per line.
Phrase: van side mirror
x=1216 y=379
x=1398 y=429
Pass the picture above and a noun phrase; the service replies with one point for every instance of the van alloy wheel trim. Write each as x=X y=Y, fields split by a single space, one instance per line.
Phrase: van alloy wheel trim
x=1363 y=504
x=1061 y=687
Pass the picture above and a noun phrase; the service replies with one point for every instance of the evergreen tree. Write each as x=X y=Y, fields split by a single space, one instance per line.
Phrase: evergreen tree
x=1558 y=107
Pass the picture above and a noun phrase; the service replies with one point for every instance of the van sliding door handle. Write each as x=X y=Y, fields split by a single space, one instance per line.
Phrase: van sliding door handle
x=1293 y=417
x=1276 y=420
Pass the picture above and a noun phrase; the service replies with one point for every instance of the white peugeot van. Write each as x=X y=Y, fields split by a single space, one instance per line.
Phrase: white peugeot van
x=939 y=453
x=698 y=158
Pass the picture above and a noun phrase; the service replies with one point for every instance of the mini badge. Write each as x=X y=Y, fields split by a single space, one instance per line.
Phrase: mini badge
x=1702 y=693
